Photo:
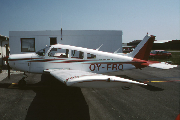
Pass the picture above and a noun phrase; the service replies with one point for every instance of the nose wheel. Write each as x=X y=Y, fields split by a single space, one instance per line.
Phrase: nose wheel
x=22 y=82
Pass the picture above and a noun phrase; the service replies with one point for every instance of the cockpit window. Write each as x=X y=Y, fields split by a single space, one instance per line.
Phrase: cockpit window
x=59 y=52
x=43 y=51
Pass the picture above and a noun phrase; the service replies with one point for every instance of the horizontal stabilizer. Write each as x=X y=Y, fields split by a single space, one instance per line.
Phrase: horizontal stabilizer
x=162 y=65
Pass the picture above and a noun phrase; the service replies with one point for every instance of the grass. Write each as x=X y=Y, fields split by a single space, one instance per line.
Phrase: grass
x=175 y=58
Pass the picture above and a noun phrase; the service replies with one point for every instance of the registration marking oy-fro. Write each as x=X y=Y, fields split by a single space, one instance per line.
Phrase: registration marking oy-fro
x=108 y=67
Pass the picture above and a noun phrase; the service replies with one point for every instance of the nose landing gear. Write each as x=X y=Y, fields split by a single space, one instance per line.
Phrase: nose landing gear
x=22 y=82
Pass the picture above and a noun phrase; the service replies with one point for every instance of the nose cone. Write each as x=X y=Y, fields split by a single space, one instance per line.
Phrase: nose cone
x=12 y=60
x=11 y=57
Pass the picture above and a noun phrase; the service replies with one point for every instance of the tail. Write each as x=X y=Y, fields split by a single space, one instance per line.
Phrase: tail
x=143 y=49
x=141 y=55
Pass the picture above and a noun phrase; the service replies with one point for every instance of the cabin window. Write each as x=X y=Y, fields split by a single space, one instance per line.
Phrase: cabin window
x=73 y=53
x=77 y=54
x=81 y=55
x=91 y=56
x=58 y=52
x=27 y=44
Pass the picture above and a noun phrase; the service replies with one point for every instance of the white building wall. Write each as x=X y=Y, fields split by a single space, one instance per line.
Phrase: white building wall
x=111 y=39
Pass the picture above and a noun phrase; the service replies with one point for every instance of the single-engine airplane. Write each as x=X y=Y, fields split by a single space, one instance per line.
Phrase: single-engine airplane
x=82 y=67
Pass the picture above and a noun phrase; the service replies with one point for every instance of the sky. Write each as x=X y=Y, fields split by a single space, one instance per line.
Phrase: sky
x=134 y=17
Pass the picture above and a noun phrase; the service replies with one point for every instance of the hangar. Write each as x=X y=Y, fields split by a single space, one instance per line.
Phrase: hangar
x=32 y=41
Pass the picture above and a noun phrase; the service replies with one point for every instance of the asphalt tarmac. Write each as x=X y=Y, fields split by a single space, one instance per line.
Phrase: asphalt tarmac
x=45 y=98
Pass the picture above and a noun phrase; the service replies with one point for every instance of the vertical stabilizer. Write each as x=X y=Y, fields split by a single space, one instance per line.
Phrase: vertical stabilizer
x=143 y=49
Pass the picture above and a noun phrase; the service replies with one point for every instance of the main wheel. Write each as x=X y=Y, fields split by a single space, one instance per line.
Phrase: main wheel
x=21 y=83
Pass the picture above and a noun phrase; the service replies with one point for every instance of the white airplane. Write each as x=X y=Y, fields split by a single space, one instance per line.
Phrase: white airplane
x=81 y=67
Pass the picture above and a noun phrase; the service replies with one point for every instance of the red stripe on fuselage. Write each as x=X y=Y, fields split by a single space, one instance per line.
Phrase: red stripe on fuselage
x=138 y=63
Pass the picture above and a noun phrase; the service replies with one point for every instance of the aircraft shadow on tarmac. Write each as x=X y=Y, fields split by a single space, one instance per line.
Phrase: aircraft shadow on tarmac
x=57 y=101
x=147 y=87
x=54 y=100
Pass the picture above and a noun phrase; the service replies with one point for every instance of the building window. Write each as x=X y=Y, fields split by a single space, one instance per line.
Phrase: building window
x=53 y=41
x=27 y=44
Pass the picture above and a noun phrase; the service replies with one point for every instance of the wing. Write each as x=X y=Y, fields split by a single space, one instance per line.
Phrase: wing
x=79 y=78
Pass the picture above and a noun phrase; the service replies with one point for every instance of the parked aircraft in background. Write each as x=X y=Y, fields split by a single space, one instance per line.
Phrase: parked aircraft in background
x=82 y=67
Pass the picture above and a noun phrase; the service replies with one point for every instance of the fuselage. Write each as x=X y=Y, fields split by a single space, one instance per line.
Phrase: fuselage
x=70 y=57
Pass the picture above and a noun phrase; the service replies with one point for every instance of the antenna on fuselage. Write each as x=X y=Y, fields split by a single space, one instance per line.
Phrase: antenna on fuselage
x=116 y=50
x=99 y=47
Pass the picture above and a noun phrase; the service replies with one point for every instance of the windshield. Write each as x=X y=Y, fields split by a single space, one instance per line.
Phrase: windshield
x=43 y=51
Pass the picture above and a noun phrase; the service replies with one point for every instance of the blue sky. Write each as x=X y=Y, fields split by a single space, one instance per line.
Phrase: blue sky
x=134 y=17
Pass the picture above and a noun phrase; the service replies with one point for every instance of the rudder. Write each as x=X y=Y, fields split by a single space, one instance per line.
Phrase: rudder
x=143 y=49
